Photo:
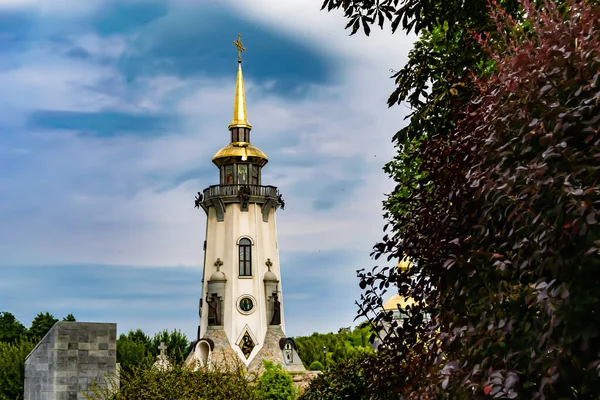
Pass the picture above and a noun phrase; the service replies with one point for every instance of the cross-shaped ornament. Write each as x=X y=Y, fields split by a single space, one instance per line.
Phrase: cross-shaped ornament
x=218 y=264
x=269 y=264
x=240 y=48
x=162 y=349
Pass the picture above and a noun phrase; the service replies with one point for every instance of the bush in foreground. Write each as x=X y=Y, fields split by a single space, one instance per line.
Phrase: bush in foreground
x=275 y=384
x=316 y=366
x=341 y=381
x=148 y=383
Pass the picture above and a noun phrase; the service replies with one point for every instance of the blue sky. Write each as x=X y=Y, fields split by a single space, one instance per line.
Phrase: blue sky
x=110 y=114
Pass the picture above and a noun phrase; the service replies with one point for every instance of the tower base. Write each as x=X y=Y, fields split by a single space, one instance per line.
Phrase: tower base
x=214 y=350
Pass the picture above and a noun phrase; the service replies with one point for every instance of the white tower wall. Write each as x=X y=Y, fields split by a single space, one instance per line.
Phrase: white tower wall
x=221 y=242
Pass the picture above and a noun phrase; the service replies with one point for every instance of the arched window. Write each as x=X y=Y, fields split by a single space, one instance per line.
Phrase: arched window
x=245 y=257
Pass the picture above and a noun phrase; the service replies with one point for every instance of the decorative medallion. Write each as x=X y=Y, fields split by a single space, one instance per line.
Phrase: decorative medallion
x=246 y=304
x=247 y=344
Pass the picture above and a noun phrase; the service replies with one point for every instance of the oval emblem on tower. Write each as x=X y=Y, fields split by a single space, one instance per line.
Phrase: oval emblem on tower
x=246 y=304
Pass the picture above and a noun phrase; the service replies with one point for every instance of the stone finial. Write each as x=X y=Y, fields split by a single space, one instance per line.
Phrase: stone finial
x=218 y=264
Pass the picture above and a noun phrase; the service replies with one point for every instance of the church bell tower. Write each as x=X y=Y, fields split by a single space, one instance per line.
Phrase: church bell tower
x=241 y=305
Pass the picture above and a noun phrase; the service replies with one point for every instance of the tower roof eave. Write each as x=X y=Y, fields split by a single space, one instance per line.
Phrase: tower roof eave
x=242 y=150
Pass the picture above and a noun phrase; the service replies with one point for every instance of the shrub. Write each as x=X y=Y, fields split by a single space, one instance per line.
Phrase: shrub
x=275 y=383
x=345 y=380
x=179 y=382
x=316 y=366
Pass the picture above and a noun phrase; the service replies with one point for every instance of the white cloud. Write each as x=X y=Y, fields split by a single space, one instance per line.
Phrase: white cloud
x=51 y=82
x=335 y=127
x=111 y=47
x=55 y=7
x=102 y=200
x=326 y=32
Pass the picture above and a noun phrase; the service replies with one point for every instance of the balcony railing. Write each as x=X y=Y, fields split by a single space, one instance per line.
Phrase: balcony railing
x=233 y=190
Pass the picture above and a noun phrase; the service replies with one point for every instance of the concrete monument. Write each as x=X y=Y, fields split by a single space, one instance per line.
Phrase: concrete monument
x=69 y=358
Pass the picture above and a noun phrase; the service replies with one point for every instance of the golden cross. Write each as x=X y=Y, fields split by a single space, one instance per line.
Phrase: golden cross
x=240 y=48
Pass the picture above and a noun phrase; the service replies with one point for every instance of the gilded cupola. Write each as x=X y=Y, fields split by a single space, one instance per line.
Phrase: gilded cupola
x=240 y=162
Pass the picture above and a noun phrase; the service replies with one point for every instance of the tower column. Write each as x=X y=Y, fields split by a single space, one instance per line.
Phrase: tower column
x=242 y=311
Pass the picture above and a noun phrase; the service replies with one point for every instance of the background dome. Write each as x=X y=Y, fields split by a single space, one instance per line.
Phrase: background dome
x=393 y=302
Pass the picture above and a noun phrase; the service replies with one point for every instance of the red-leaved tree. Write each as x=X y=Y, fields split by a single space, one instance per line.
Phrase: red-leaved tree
x=503 y=227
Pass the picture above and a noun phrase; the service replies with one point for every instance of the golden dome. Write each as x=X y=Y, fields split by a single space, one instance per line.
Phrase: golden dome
x=404 y=264
x=393 y=302
x=243 y=150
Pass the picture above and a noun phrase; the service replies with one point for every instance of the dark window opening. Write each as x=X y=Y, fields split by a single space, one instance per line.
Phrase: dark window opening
x=245 y=257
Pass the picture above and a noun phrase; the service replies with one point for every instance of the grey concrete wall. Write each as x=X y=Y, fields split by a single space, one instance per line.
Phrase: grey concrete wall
x=40 y=368
x=69 y=358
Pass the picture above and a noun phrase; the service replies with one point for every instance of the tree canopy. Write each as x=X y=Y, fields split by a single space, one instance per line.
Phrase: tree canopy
x=69 y=318
x=12 y=368
x=10 y=329
x=16 y=342
x=136 y=349
x=338 y=347
x=40 y=325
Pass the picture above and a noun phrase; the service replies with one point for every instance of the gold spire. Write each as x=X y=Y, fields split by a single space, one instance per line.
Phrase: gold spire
x=240 y=119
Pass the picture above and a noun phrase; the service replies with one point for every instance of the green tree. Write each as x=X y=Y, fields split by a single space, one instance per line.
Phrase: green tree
x=339 y=346
x=10 y=328
x=275 y=383
x=70 y=318
x=12 y=368
x=136 y=349
x=176 y=342
x=131 y=354
x=139 y=336
x=40 y=325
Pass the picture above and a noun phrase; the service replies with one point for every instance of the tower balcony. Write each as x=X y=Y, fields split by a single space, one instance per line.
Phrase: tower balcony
x=232 y=192
x=219 y=196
